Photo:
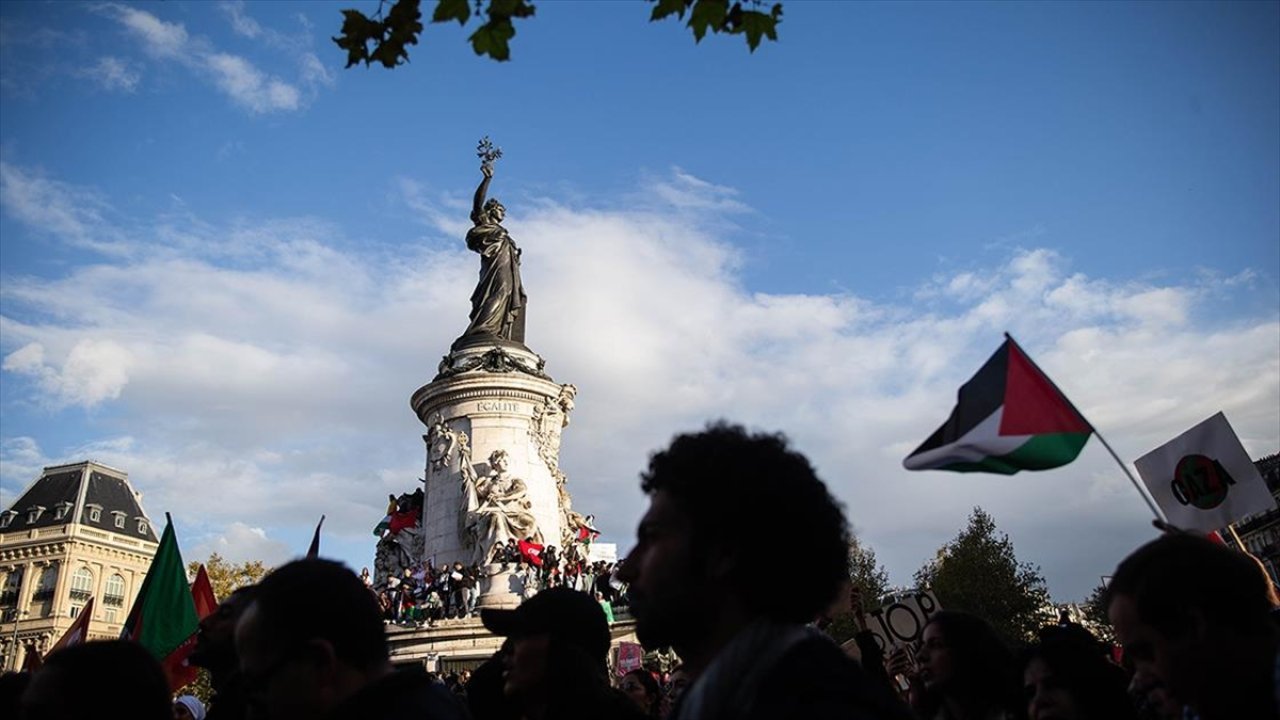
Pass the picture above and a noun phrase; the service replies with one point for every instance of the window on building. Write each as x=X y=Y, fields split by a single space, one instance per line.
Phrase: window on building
x=142 y=526
x=75 y=610
x=82 y=585
x=62 y=510
x=34 y=512
x=94 y=512
x=45 y=587
x=110 y=615
x=119 y=518
x=7 y=518
x=12 y=583
x=113 y=594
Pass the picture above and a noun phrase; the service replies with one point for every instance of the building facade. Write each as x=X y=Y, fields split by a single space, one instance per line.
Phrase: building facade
x=1260 y=532
x=77 y=532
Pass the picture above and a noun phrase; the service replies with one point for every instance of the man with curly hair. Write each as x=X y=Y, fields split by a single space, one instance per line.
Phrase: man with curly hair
x=725 y=503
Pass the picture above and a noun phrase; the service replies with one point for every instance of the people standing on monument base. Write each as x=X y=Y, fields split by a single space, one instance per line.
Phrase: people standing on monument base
x=694 y=582
x=1196 y=618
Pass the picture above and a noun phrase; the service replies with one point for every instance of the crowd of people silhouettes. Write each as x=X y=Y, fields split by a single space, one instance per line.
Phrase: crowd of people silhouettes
x=1196 y=622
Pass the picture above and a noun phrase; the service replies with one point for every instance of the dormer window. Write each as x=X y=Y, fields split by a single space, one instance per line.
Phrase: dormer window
x=142 y=526
x=120 y=518
x=34 y=513
x=62 y=510
x=7 y=518
x=94 y=512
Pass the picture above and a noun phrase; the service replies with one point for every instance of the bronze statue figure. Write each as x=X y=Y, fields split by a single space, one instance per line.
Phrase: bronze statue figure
x=498 y=303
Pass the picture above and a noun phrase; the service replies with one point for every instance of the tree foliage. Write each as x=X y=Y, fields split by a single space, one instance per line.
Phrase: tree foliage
x=384 y=37
x=225 y=576
x=978 y=573
x=870 y=581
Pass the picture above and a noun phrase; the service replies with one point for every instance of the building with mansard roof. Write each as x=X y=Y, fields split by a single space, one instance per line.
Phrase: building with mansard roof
x=77 y=532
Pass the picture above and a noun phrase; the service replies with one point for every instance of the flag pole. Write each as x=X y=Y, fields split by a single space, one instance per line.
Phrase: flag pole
x=1136 y=485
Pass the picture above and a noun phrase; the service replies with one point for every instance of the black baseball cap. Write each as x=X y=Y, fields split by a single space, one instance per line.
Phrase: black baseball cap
x=572 y=616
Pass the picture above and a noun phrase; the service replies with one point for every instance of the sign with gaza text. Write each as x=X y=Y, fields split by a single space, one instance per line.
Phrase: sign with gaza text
x=901 y=620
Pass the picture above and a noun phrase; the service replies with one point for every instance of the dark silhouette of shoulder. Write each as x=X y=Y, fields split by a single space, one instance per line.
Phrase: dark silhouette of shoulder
x=402 y=694
x=815 y=680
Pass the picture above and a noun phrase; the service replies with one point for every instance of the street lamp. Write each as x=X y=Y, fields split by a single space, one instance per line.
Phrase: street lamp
x=13 y=644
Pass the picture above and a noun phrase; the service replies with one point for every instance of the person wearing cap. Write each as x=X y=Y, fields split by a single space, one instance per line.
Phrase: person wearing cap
x=326 y=657
x=694 y=581
x=557 y=666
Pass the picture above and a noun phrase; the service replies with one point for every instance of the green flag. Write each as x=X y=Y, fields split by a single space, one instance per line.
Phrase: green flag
x=164 y=615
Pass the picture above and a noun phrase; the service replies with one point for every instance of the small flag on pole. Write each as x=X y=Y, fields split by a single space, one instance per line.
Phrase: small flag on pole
x=313 y=552
x=202 y=594
x=1203 y=479
x=1009 y=417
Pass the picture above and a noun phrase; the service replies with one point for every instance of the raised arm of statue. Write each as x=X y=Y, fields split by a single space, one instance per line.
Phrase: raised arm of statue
x=477 y=206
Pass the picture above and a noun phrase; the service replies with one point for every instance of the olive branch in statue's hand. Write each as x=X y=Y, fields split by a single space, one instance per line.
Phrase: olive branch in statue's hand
x=488 y=153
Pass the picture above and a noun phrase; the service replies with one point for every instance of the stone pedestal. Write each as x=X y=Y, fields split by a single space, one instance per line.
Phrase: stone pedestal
x=486 y=398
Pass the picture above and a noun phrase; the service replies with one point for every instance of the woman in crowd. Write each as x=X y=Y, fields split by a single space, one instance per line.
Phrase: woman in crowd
x=963 y=672
x=1066 y=676
x=642 y=688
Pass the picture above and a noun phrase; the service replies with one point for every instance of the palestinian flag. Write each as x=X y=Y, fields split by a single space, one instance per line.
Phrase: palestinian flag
x=1008 y=417
x=164 y=614
x=385 y=523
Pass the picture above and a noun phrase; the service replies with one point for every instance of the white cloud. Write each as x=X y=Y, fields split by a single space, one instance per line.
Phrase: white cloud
x=161 y=39
x=93 y=371
x=249 y=87
x=236 y=76
x=73 y=214
x=240 y=543
x=263 y=370
x=241 y=22
x=113 y=74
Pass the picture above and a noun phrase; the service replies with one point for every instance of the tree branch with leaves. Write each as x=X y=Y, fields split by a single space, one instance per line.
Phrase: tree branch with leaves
x=384 y=37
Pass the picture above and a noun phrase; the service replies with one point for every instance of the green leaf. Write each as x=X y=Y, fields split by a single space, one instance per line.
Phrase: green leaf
x=510 y=9
x=447 y=10
x=491 y=39
x=708 y=14
x=665 y=8
x=357 y=32
x=757 y=25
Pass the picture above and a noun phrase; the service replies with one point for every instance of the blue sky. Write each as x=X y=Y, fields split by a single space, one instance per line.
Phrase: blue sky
x=226 y=262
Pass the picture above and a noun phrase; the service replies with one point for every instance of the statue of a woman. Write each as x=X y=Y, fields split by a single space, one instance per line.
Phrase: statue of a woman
x=498 y=303
x=499 y=508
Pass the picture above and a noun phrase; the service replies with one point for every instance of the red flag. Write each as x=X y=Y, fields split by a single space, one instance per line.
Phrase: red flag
x=79 y=630
x=314 y=551
x=531 y=552
x=402 y=520
x=33 y=660
x=202 y=594
x=177 y=666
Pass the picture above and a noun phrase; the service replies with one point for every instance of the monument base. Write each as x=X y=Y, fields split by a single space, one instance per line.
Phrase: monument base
x=501 y=588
